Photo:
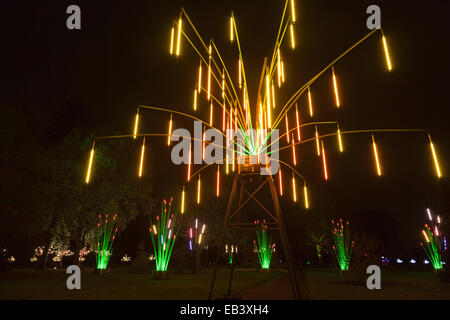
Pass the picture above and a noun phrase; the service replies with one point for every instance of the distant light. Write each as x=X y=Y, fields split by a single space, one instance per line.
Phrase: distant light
x=399 y=260
x=412 y=261
x=426 y=261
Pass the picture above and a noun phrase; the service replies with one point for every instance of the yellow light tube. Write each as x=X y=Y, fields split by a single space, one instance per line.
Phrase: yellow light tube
x=211 y=114
x=279 y=67
x=325 y=171
x=305 y=191
x=239 y=73
x=425 y=235
x=292 y=37
x=182 y=201
x=317 y=142
x=209 y=74
x=341 y=148
x=231 y=29
x=273 y=96
x=200 y=77
x=376 y=156
x=171 y=41
x=436 y=163
x=280 y=181
x=293 y=10
x=189 y=164
x=386 y=52
x=179 y=36
x=298 y=122
x=170 y=131
x=294 y=192
x=195 y=100
x=310 y=103
x=136 y=123
x=142 y=158
x=287 y=128
x=91 y=159
x=335 y=88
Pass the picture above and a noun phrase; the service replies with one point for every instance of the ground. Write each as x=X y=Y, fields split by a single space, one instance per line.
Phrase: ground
x=121 y=283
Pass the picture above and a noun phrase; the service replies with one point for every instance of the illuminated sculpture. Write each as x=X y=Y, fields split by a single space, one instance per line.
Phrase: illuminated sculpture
x=255 y=121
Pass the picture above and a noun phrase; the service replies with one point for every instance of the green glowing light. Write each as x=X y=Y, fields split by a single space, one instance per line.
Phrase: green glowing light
x=163 y=234
x=433 y=242
x=342 y=246
x=106 y=232
x=263 y=246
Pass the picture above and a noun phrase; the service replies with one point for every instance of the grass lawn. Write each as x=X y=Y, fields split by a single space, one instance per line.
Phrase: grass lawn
x=247 y=284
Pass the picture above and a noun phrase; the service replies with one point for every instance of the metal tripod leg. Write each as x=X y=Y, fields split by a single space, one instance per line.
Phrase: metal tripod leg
x=284 y=240
x=225 y=224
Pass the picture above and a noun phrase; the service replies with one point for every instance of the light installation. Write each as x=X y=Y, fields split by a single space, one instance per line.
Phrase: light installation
x=231 y=250
x=435 y=242
x=263 y=245
x=163 y=234
x=106 y=233
x=342 y=245
x=196 y=235
x=256 y=117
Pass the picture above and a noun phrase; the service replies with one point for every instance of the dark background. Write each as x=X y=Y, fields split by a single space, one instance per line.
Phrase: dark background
x=60 y=79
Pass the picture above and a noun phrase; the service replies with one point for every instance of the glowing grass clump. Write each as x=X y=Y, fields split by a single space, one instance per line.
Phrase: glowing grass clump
x=342 y=246
x=263 y=246
x=230 y=251
x=106 y=233
x=434 y=241
x=163 y=233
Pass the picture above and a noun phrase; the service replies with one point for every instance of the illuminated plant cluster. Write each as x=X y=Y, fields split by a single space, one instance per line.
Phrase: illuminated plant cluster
x=342 y=246
x=231 y=251
x=263 y=245
x=196 y=236
x=163 y=233
x=106 y=233
x=435 y=242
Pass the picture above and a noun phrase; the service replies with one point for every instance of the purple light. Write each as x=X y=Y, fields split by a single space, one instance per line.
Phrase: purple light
x=190 y=245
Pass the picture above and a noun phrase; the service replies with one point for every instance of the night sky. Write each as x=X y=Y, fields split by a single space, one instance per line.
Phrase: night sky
x=98 y=75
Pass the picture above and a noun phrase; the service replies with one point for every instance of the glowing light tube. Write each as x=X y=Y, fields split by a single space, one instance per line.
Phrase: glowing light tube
x=91 y=158
x=170 y=131
x=189 y=163
x=436 y=162
x=287 y=128
x=211 y=114
x=298 y=122
x=294 y=192
x=376 y=156
x=429 y=214
x=224 y=116
x=195 y=100
x=198 y=189
x=317 y=142
x=136 y=123
x=171 y=41
x=239 y=74
x=386 y=52
x=292 y=36
x=142 y=158
x=305 y=191
x=273 y=96
x=200 y=77
x=269 y=120
x=293 y=10
x=294 y=158
x=426 y=236
x=218 y=182
x=279 y=67
x=325 y=171
x=231 y=29
x=182 y=201
x=310 y=103
x=335 y=88
x=209 y=74
x=280 y=181
x=179 y=36
x=341 y=148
